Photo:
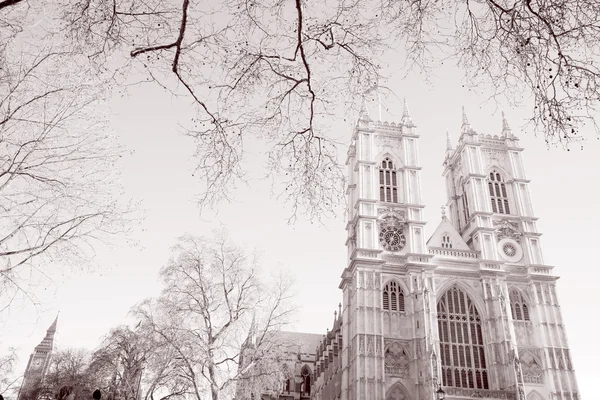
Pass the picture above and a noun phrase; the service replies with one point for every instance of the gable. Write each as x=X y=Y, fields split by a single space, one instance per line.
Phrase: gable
x=446 y=236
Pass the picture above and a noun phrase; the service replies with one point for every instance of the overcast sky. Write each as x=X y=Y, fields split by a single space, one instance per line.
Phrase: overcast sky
x=158 y=173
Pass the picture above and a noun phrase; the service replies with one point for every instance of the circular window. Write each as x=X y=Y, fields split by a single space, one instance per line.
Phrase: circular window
x=510 y=250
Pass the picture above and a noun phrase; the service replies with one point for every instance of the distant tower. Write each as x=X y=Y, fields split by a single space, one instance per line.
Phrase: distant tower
x=39 y=361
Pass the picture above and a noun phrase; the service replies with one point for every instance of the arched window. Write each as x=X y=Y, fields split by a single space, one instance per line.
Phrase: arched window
x=465 y=200
x=393 y=297
x=388 y=182
x=446 y=242
x=518 y=306
x=305 y=387
x=498 y=194
x=461 y=342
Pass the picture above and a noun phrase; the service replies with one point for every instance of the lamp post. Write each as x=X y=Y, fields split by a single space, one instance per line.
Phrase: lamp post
x=441 y=395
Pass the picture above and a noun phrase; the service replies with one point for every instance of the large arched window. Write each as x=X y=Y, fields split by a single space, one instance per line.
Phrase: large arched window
x=393 y=297
x=388 y=182
x=461 y=342
x=498 y=194
x=518 y=306
x=305 y=387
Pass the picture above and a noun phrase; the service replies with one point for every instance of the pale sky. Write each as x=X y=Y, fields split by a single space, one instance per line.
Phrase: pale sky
x=159 y=174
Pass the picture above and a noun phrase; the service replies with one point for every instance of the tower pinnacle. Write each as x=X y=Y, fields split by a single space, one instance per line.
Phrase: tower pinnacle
x=448 y=142
x=506 y=131
x=406 y=118
x=364 y=111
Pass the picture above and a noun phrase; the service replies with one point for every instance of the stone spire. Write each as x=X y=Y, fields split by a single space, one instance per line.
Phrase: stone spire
x=506 y=131
x=466 y=126
x=364 y=111
x=406 y=118
x=448 y=141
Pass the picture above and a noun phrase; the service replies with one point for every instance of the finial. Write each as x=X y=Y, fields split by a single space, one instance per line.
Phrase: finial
x=364 y=111
x=406 y=112
x=448 y=142
x=406 y=118
x=443 y=212
x=505 y=127
x=465 y=120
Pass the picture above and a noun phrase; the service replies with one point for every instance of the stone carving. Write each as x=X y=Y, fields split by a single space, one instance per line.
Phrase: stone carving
x=507 y=229
x=532 y=371
x=378 y=346
x=370 y=345
x=488 y=290
x=393 y=212
x=361 y=279
x=388 y=142
x=546 y=295
x=367 y=254
x=393 y=259
x=396 y=394
x=370 y=283
x=361 y=344
x=396 y=360
x=474 y=393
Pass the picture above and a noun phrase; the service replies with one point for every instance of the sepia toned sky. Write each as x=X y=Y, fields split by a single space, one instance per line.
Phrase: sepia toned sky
x=158 y=174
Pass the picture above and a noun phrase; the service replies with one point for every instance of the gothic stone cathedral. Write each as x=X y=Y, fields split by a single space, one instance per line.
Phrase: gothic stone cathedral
x=472 y=310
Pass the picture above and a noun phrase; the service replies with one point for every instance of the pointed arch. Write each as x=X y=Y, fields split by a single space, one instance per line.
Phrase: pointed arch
x=534 y=395
x=397 y=392
x=396 y=359
x=519 y=305
x=393 y=296
x=497 y=188
x=531 y=366
x=462 y=348
x=464 y=200
x=306 y=375
x=388 y=180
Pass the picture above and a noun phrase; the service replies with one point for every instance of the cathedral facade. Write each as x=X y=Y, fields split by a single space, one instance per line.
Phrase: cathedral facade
x=471 y=312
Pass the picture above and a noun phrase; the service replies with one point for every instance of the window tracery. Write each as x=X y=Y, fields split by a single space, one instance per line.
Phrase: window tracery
x=518 y=306
x=396 y=360
x=305 y=386
x=532 y=370
x=498 y=194
x=393 y=297
x=462 y=351
x=388 y=182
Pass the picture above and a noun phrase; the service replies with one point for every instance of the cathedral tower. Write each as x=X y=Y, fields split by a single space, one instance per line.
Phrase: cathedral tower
x=383 y=310
x=500 y=331
x=39 y=361
x=473 y=311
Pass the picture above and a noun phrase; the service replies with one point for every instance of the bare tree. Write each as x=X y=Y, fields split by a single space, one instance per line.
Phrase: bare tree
x=133 y=364
x=212 y=291
x=58 y=187
x=277 y=71
x=8 y=383
x=67 y=367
